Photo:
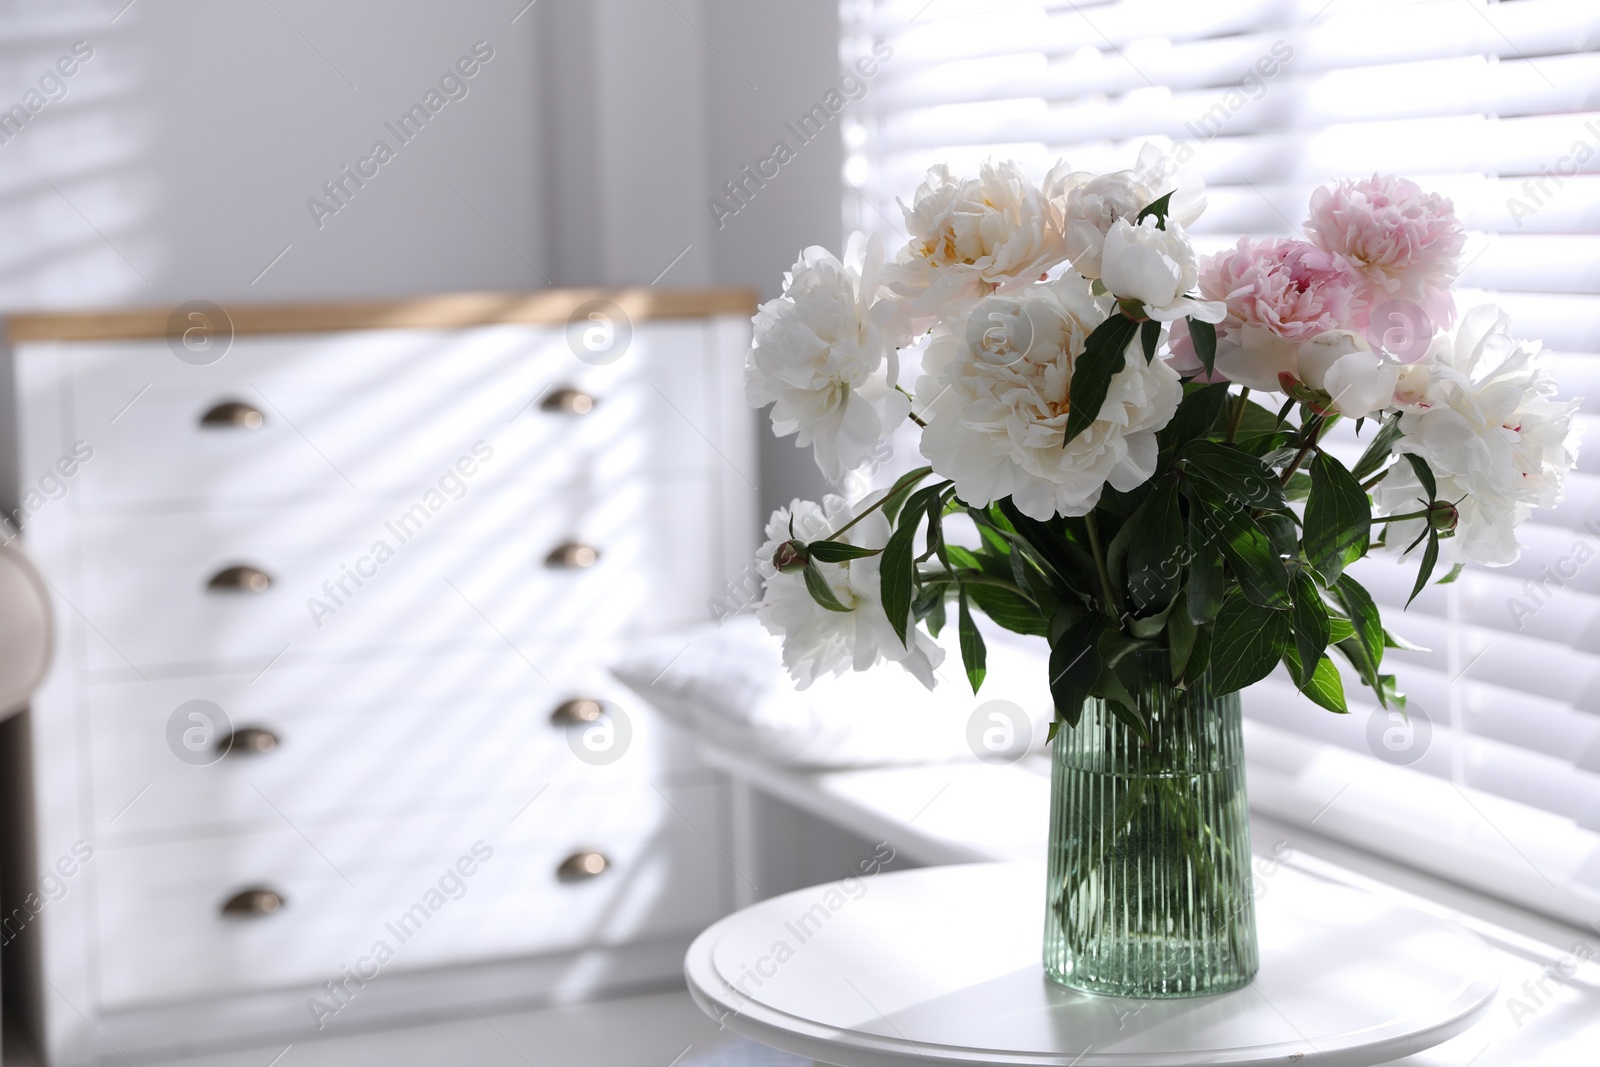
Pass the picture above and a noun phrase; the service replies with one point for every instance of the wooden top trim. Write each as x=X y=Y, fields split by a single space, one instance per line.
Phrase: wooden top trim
x=448 y=311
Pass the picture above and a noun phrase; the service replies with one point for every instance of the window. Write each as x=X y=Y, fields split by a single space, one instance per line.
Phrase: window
x=1494 y=777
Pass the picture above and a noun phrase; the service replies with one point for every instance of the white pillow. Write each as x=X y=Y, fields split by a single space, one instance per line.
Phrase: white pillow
x=727 y=685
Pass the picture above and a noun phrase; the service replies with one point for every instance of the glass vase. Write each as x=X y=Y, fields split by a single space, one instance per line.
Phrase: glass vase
x=1149 y=889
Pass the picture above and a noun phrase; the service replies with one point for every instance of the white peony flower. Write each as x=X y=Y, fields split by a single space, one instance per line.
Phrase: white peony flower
x=997 y=386
x=824 y=359
x=1089 y=205
x=1496 y=441
x=1156 y=267
x=1360 y=382
x=972 y=237
x=1341 y=363
x=817 y=641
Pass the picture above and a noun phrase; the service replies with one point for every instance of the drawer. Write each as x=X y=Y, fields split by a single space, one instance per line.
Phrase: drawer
x=385 y=411
x=476 y=572
x=352 y=740
x=162 y=935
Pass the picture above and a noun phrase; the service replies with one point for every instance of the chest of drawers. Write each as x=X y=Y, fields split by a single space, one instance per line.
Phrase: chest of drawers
x=330 y=738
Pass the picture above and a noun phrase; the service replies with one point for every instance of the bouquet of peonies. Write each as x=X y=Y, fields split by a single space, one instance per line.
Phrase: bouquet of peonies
x=1088 y=398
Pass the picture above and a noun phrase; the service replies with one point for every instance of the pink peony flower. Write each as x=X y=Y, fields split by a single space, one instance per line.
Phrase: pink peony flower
x=1405 y=244
x=1290 y=307
x=1289 y=288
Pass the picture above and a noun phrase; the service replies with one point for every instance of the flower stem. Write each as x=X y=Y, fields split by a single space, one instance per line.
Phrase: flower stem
x=1238 y=415
x=1401 y=518
x=912 y=415
x=909 y=480
x=1100 y=565
x=1376 y=478
x=1313 y=430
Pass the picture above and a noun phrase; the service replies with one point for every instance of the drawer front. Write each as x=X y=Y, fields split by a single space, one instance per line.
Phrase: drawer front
x=384 y=411
x=385 y=736
x=479 y=571
x=163 y=937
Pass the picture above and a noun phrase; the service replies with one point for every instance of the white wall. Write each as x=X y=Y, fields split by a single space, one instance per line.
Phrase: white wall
x=180 y=161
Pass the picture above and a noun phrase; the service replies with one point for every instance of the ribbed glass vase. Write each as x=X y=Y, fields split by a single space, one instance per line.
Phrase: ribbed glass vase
x=1149 y=892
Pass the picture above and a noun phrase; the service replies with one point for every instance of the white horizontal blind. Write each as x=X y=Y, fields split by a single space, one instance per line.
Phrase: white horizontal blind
x=1494 y=104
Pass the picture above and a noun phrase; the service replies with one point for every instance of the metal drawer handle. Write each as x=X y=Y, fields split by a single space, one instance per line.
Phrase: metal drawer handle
x=240 y=579
x=572 y=556
x=582 y=866
x=568 y=402
x=233 y=415
x=253 y=903
x=248 y=741
x=577 y=712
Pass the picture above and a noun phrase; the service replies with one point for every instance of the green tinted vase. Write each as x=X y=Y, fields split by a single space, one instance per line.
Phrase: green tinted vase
x=1149 y=892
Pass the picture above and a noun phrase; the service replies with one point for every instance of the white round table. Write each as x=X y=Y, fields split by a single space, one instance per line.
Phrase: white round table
x=940 y=966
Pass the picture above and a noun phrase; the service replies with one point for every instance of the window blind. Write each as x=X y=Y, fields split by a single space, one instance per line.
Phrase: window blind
x=1493 y=778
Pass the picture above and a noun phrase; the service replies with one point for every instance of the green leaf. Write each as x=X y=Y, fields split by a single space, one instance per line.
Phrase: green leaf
x=1324 y=687
x=973 y=653
x=1378 y=451
x=1311 y=625
x=1075 y=665
x=1430 y=556
x=895 y=498
x=1299 y=486
x=1357 y=655
x=820 y=591
x=1155 y=553
x=1365 y=649
x=1338 y=518
x=1247 y=643
x=1260 y=572
x=1424 y=475
x=838 y=551
x=1196 y=415
x=1007 y=609
x=1105 y=352
x=933 y=504
x=1257 y=422
x=1394 y=640
x=1282 y=532
x=1157 y=208
x=1204 y=337
x=1181 y=632
x=1200 y=657
x=1150 y=627
x=1241 y=477
x=897 y=569
x=1339 y=629
x=1206 y=576
x=1150 y=338
x=935 y=618
x=1455 y=572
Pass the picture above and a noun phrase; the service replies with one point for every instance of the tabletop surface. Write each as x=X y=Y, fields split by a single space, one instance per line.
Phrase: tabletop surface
x=941 y=966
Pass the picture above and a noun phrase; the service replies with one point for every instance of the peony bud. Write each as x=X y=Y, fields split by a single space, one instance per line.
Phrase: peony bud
x=1442 y=517
x=791 y=556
